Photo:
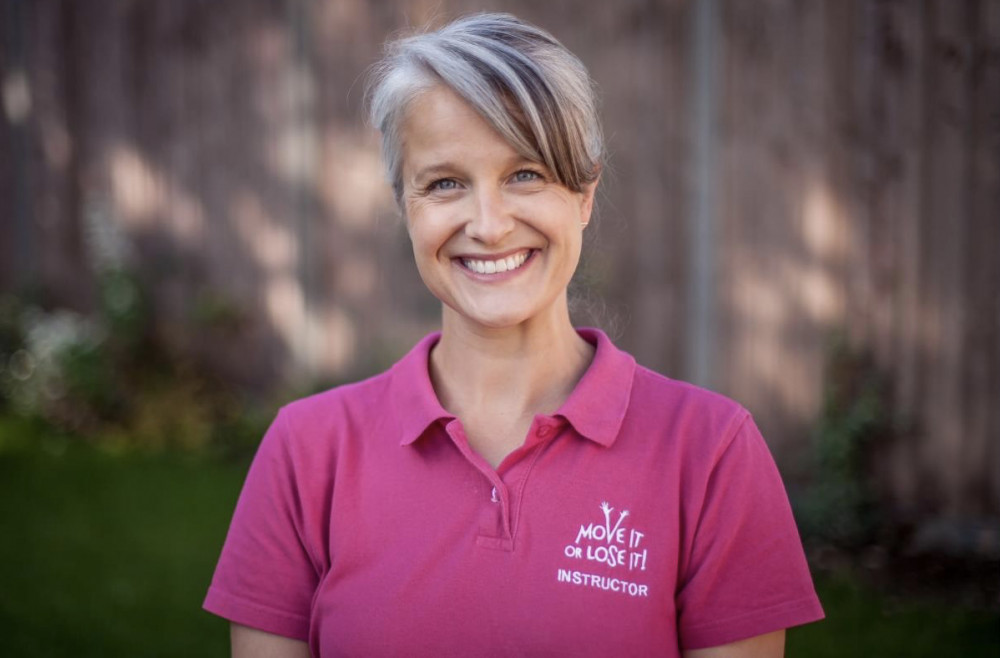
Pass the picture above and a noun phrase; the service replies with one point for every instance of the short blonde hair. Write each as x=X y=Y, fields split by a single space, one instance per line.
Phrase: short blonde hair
x=518 y=77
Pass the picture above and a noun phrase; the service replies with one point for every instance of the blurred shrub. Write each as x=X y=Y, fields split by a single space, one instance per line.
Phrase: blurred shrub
x=108 y=378
x=53 y=357
x=840 y=506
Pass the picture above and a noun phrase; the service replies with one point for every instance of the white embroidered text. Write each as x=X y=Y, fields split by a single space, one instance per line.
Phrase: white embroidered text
x=610 y=543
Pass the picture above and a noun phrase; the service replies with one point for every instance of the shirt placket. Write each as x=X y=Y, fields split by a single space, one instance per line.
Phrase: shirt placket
x=500 y=509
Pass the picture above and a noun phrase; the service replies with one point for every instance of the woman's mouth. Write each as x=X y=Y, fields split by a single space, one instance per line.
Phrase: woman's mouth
x=499 y=265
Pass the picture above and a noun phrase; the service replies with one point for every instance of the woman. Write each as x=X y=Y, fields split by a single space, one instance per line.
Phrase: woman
x=513 y=486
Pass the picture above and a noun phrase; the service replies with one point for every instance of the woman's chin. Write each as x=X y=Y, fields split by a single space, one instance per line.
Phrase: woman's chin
x=494 y=322
x=492 y=319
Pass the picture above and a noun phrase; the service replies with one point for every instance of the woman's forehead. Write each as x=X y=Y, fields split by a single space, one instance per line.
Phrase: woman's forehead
x=439 y=127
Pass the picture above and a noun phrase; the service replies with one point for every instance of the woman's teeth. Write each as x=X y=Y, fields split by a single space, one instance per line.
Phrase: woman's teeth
x=495 y=266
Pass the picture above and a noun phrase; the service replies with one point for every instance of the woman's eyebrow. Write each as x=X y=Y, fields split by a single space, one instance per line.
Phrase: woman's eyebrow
x=434 y=170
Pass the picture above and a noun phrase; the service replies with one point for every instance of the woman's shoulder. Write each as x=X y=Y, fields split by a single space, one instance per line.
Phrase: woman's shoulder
x=616 y=367
x=688 y=410
x=654 y=405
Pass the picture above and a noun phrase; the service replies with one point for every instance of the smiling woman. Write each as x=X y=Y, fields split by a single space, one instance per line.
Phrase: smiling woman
x=514 y=485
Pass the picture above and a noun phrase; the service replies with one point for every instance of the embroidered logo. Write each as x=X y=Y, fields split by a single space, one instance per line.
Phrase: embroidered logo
x=613 y=544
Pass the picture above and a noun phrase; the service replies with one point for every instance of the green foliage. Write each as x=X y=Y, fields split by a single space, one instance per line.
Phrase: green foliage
x=218 y=313
x=56 y=353
x=840 y=507
x=174 y=413
x=12 y=357
x=88 y=378
x=123 y=307
x=108 y=377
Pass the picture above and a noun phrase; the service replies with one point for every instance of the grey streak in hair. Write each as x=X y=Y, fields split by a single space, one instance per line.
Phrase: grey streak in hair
x=533 y=91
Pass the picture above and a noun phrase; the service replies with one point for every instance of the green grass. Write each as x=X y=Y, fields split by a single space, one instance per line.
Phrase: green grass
x=104 y=555
x=862 y=622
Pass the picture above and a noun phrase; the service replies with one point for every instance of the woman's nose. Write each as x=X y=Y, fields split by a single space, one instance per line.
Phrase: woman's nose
x=491 y=218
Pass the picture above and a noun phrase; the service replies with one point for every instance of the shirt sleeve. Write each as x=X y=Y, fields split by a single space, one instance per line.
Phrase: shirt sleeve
x=744 y=572
x=265 y=577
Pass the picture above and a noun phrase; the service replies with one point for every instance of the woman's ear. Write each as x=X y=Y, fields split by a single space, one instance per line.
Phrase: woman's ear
x=589 y=191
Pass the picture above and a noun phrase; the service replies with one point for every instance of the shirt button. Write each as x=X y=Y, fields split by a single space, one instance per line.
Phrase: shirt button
x=493 y=496
x=545 y=431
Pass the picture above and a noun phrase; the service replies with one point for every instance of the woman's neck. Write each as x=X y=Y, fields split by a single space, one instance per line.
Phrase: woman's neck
x=519 y=371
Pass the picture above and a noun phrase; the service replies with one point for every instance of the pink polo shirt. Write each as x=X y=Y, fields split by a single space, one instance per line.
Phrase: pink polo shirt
x=643 y=517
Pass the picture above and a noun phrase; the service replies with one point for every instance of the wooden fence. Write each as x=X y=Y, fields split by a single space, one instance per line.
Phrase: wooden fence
x=782 y=172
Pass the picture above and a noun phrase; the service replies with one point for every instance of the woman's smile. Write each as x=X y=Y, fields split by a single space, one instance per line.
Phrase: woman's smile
x=493 y=266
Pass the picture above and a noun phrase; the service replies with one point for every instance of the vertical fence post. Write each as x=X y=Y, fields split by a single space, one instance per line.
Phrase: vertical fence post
x=701 y=295
x=16 y=96
x=307 y=352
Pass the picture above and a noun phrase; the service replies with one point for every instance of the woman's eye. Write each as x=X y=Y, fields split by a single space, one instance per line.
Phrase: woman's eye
x=526 y=176
x=443 y=185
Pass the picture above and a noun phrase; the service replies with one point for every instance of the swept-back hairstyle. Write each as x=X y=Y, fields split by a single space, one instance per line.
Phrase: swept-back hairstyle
x=534 y=92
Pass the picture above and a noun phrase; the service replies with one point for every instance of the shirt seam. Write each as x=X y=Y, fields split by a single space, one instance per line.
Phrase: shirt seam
x=738 y=424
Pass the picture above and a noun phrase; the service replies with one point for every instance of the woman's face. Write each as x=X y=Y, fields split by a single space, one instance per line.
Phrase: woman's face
x=495 y=237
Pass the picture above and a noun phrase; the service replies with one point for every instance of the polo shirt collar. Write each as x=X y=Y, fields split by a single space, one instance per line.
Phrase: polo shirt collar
x=414 y=401
x=596 y=407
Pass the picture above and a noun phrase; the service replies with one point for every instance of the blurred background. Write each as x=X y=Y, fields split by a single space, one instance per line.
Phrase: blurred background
x=802 y=211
